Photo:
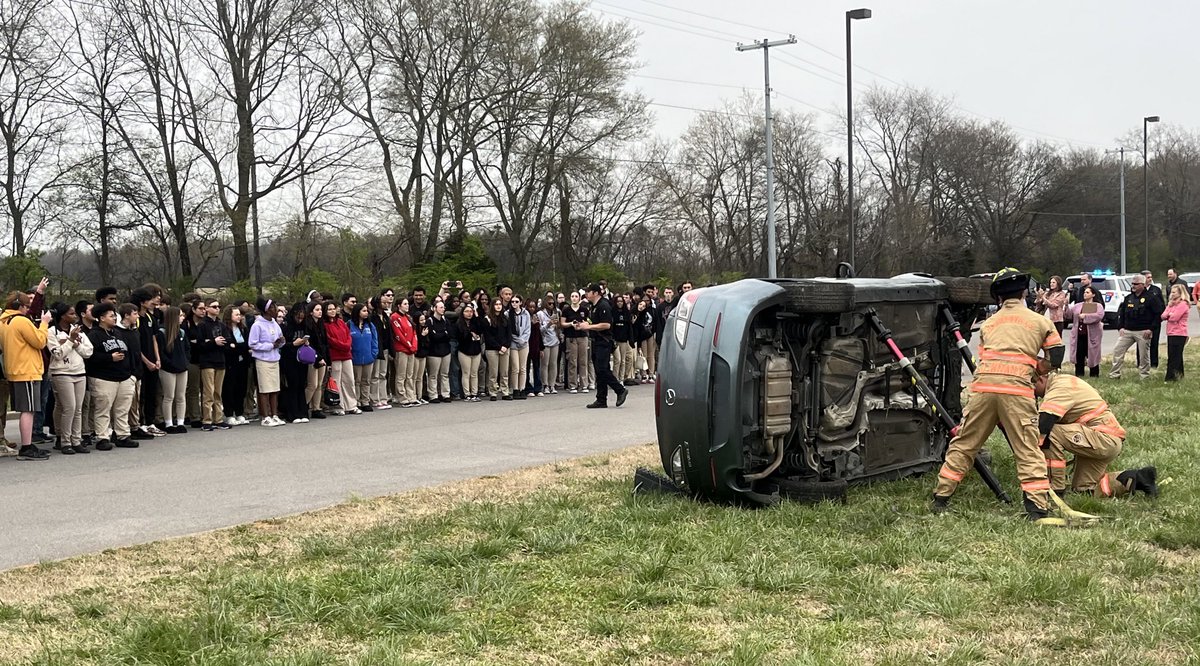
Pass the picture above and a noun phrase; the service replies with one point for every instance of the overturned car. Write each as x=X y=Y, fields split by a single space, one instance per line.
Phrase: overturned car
x=800 y=387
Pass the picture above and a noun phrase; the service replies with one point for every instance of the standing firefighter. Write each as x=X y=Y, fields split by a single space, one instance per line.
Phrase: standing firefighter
x=1003 y=394
x=1074 y=418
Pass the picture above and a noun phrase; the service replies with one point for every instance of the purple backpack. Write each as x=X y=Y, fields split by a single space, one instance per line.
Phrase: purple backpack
x=306 y=355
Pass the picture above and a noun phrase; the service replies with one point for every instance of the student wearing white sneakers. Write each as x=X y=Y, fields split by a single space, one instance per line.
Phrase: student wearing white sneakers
x=266 y=337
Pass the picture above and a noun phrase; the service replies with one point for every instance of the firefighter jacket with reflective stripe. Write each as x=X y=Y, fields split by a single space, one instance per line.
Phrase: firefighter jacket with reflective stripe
x=1073 y=400
x=1008 y=349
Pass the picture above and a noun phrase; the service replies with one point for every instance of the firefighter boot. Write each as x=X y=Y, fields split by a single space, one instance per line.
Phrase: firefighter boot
x=1033 y=512
x=940 y=504
x=1144 y=479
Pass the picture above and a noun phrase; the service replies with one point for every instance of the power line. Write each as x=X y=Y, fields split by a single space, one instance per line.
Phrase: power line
x=1039 y=133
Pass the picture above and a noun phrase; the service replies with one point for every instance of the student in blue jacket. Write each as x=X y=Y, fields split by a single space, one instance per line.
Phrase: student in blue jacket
x=364 y=348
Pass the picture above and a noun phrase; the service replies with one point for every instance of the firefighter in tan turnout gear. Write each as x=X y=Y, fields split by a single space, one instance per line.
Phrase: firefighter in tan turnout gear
x=1074 y=418
x=1002 y=393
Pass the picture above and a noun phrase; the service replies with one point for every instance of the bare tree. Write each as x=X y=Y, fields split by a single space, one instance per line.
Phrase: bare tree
x=261 y=103
x=562 y=79
x=34 y=115
x=995 y=181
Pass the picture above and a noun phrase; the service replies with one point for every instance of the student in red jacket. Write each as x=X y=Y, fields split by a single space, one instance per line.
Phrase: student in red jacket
x=341 y=367
x=404 y=343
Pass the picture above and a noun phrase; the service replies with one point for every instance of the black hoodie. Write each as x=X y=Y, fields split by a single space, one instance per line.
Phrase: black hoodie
x=101 y=364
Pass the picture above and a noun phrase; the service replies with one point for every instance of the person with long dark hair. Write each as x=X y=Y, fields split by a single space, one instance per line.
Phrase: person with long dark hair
x=496 y=340
x=421 y=357
x=438 y=361
x=314 y=380
x=293 y=406
x=69 y=350
x=381 y=311
x=404 y=346
x=237 y=366
x=1086 y=334
x=341 y=356
x=364 y=349
x=547 y=318
x=173 y=376
x=469 y=330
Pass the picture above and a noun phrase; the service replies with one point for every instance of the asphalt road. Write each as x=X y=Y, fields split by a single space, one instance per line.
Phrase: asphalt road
x=182 y=484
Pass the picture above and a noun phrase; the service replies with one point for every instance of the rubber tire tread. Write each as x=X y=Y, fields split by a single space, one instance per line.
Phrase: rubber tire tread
x=969 y=291
x=813 y=296
x=646 y=481
x=812 y=492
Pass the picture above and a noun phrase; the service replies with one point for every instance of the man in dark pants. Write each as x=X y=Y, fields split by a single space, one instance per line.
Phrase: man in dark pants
x=599 y=326
x=1158 y=305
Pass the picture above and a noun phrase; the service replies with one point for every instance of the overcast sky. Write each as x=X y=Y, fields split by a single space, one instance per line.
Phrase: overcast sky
x=1065 y=71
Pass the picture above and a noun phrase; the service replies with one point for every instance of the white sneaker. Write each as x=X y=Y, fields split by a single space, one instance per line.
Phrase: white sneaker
x=268 y=423
x=573 y=391
x=232 y=421
x=242 y=420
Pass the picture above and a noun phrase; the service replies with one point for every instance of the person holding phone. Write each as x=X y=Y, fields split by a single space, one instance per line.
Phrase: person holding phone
x=316 y=376
x=69 y=349
x=469 y=331
x=496 y=340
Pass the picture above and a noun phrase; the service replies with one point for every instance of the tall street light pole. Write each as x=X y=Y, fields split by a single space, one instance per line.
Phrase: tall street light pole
x=766 y=47
x=1146 y=183
x=852 y=15
x=1121 y=152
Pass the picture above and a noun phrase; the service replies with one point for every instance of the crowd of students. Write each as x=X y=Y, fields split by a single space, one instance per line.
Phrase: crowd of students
x=108 y=372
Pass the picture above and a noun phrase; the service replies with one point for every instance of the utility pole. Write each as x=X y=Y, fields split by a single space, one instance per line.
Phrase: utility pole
x=852 y=15
x=1121 y=152
x=766 y=45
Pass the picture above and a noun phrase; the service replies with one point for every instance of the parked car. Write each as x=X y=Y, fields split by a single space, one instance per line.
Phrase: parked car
x=774 y=388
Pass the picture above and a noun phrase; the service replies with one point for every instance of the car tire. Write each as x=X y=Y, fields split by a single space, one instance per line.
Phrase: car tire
x=812 y=492
x=645 y=481
x=818 y=296
x=969 y=291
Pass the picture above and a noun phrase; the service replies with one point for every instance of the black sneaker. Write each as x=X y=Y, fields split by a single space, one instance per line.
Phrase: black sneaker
x=104 y=445
x=175 y=430
x=621 y=397
x=318 y=414
x=366 y=408
x=67 y=450
x=629 y=382
x=520 y=396
x=597 y=405
x=57 y=444
x=31 y=452
x=492 y=398
x=507 y=397
x=40 y=437
x=140 y=435
x=126 y=443
x=82 y=447
x=207 y=427
x=198 y=424
x=222 y=426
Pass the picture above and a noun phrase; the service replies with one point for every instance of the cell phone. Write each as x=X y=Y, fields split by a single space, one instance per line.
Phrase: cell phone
x=306 y=337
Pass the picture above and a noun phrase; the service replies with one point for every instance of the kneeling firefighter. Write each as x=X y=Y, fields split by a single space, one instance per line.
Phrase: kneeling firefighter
x=1002 y=393
x=1074 y=418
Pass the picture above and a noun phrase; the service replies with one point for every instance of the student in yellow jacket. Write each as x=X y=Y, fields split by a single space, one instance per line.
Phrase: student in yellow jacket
x=22 y=343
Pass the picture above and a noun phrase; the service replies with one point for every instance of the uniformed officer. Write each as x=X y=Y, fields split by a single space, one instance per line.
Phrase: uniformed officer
x=1002 y=394
x=1074 y=418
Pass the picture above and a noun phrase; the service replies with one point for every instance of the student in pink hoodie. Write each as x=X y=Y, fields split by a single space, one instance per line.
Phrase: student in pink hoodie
x=1176 y=316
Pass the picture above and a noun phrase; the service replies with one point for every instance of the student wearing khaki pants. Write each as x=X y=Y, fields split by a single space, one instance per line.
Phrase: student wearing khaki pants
x=110 y=369
x=521 y=327
x=404 y=344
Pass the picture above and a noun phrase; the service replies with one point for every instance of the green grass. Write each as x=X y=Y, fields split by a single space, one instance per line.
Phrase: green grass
x=585 y=572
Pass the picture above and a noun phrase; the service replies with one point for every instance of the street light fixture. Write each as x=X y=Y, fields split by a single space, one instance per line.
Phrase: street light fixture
x=852 y=15
x=1146 y=183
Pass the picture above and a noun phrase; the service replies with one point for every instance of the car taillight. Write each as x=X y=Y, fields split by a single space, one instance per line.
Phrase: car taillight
x=683 y=316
